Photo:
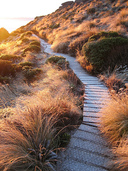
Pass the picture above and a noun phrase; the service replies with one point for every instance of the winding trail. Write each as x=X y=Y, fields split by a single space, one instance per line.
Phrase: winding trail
x=87 y=150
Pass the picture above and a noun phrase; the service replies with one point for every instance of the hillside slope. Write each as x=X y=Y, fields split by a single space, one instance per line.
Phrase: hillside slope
x=70 y=26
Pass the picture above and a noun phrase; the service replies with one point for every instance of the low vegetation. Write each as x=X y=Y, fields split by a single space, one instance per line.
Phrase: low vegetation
x=19 y=54
x=104 y=51
x=114 y=125
x=40 y=105
x=32 y=48
x=70 y=23
x=60 y=61
x=13 y=58
x=31 y=138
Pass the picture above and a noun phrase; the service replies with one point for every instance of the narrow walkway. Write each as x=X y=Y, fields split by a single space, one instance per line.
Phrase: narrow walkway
x=87 y=150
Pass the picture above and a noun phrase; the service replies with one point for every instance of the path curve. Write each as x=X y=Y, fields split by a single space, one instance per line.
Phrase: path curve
x=87 y=150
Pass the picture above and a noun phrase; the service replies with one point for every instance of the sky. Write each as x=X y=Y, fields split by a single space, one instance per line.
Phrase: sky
x=28 y=8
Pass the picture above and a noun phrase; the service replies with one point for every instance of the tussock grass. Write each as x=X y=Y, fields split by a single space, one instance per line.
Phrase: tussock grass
x=112 y=81
x=114 y=125
x=60 y=46
x=26 y=140
x=121 y=153
x=33 y=131
x=114 y=121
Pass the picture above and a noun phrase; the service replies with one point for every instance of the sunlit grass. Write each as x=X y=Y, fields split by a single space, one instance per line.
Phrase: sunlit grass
x=29 y=135
x=114 y=120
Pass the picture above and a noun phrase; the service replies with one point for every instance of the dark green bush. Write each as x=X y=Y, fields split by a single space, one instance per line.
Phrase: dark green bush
x=103 y=35
x=53 y=26
x=106 y=53
x=26 y=34
x=60 y=61
x=27 y=63
x=13 y=58
x=32 y=48
x=35 y=43
x=31 y=73
x=55 y=59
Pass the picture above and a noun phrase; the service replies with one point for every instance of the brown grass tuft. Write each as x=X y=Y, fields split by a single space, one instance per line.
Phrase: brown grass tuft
x=114 y=120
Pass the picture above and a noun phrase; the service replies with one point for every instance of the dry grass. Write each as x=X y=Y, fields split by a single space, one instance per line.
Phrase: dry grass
x=14 y=44
x=112 y=82
x=121 y=153
x=81 y=19
x=29 y=134
x=60 y=46
x=26 y=141
x=81 y=59
x=114 y=125
x=114 y=120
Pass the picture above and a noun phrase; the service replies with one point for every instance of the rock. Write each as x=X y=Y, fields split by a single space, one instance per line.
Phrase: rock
x=3 y=34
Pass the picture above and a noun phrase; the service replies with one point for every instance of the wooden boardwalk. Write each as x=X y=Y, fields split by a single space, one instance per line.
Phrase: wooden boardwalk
x=87 y=150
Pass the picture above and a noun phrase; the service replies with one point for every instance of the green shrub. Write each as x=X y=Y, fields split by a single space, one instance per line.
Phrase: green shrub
x=106 y=53
x=60 y=61
x=55 y=59
x=35 y=43
x=13 y=58
x=32 y=48
x=31 y=73
x=53 y=26
x=28 y=33
x=7 y=68
x=26 y=67
x=27 y=63
x=103 y=35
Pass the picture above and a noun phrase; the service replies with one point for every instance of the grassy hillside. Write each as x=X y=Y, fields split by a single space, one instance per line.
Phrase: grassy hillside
x=69 y=27
x=74 y=24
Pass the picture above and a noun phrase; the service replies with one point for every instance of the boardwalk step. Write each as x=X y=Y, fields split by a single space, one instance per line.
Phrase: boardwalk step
x=90 y=137
x=92 y=114
x=70 y=164
x=90 y=129
x=91 y=119
x=87 y=157
x=90 y=147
